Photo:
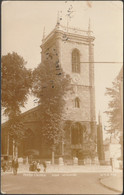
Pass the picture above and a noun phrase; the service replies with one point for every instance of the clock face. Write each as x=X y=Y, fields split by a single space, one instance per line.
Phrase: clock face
x=76 y=78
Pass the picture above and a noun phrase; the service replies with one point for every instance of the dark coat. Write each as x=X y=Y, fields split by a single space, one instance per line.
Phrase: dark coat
x=44 y=164
x=15 y=164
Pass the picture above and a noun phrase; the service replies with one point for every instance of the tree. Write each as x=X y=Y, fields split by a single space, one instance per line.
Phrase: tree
x=15 y=85
x=16 y=82
x=115 y=108
x=50 y=85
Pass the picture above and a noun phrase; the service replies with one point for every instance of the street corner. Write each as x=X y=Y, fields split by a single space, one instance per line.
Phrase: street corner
x=112 y=182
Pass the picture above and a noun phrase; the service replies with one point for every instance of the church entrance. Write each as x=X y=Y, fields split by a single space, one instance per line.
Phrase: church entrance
x=77 y=140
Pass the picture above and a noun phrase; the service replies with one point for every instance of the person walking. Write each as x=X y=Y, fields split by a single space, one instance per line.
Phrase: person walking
x=38 y=167
x=44 y=165
x=15 y=166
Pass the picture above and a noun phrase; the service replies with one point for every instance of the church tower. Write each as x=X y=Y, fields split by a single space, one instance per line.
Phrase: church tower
x=75 y=51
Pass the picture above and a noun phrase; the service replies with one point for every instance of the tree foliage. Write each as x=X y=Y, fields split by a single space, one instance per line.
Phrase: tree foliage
x=16 y=129
x=115 y=110
x=114 y=106
x=15 y=85
x=16 y=81
x=50 y=84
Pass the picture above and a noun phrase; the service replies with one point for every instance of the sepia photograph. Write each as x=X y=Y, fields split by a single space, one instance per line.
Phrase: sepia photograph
x=62 y=97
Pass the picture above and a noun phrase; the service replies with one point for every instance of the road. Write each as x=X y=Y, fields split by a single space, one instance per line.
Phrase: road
x=53 y=183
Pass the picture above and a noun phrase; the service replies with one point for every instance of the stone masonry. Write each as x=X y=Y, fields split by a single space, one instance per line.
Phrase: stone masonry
x=63 y=41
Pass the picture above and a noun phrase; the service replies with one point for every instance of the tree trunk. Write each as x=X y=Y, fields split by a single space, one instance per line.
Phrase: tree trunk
x=53 y=152
x=16 y=151
x=62 y=148
x=52 y=157
x=13 y=148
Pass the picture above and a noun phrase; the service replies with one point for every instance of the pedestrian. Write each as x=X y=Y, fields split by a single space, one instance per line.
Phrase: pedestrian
x=15 y=166
x=3 y=165
x=35 y=165
x=44 y=165
x=38 y=167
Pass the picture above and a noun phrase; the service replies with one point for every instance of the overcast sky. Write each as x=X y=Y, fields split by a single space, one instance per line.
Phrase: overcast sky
x=22 y=30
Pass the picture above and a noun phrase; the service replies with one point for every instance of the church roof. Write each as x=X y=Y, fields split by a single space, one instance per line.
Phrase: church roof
x=23 y=115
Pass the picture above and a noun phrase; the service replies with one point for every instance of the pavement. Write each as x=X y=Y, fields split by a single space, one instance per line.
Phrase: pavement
x=73 y=168
x=54 y=183
x=113 y=183
x=112 y=180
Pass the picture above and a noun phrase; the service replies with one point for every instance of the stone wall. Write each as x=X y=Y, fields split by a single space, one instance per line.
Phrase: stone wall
x=83 y=86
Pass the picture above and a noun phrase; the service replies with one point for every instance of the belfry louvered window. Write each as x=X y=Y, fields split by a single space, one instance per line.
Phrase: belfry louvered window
x=75 y=61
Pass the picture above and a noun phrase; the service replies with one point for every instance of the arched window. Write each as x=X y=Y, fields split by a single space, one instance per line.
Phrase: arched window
x=77 y=102
x=75 y=61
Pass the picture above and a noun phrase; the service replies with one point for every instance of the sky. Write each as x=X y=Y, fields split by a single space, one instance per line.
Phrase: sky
x=22 y=31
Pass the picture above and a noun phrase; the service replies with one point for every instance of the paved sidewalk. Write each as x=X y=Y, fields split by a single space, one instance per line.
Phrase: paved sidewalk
x=66 y=168
x=70 y=169
x=113 y=182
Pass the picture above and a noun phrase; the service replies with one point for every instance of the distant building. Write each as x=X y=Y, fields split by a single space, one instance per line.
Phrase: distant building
x=112 y=151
